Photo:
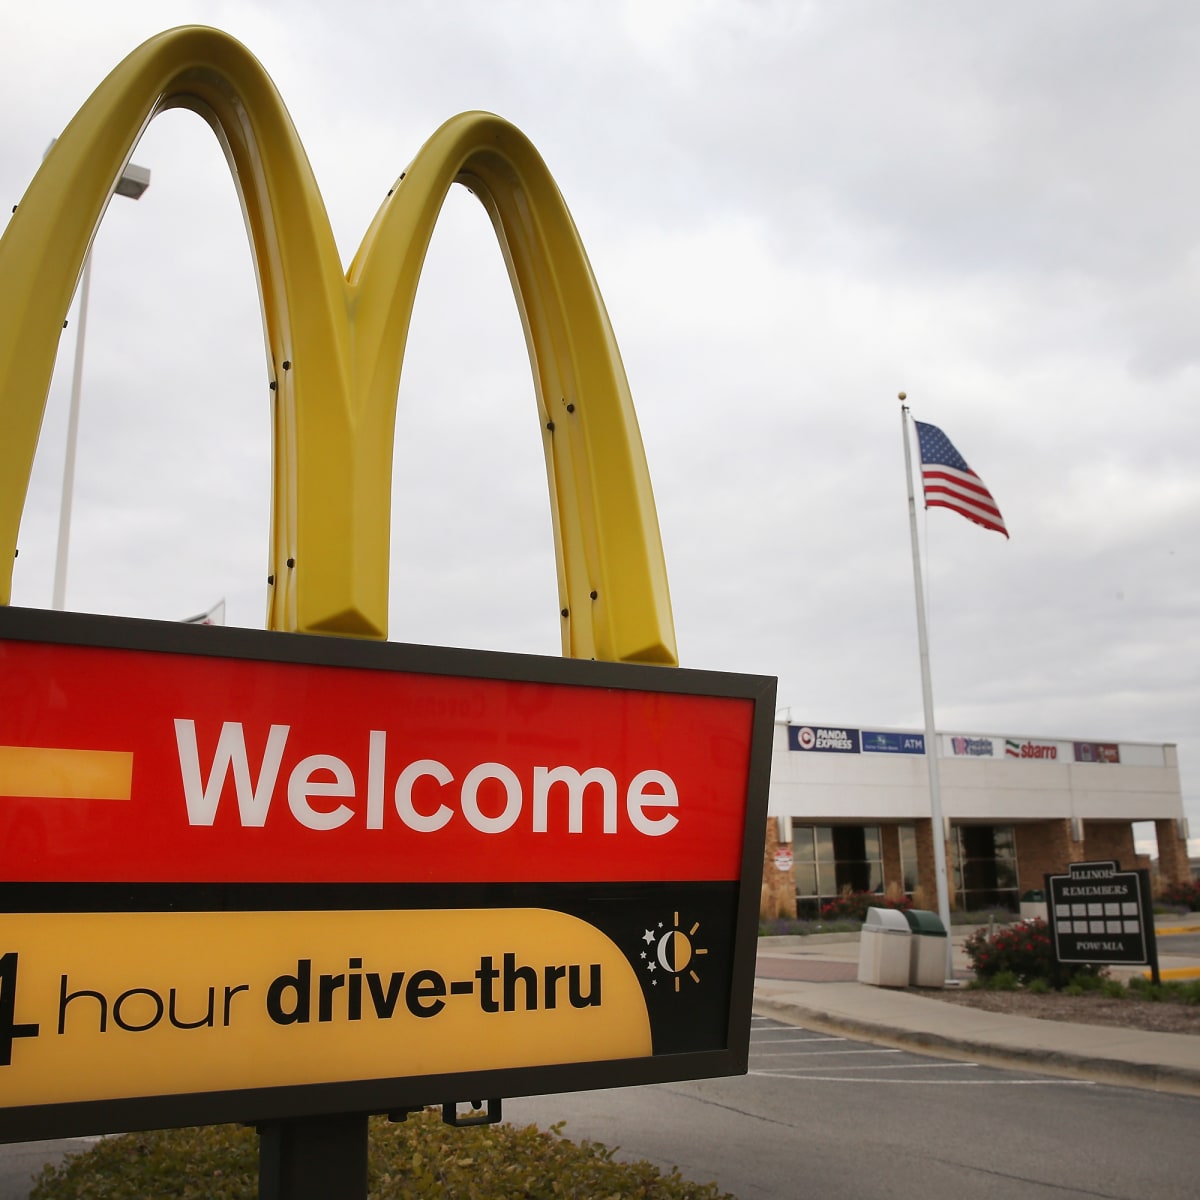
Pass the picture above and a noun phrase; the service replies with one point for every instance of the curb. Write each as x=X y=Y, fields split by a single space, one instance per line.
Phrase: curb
x=1179 y=1080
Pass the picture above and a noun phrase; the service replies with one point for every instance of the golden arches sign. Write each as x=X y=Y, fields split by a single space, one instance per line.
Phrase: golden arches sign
x=336 y=344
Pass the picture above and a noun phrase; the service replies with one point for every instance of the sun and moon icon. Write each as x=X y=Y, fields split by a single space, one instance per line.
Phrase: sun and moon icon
x=672 y=950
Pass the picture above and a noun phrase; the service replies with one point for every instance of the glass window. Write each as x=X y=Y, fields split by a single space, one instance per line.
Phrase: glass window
x=977 y=841
x=872 y=844
x=827 y=879
x=985 y=867
x=850 y=858
x=805 y=861
x=824 y=843
x=806 y=878
x=908 y=856
x=802 y=841
x=875 y=877
x=849 y=843
x=1006 y=875
x=831 y=858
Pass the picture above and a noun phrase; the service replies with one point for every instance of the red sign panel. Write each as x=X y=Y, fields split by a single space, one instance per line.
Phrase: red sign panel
x=210 y=769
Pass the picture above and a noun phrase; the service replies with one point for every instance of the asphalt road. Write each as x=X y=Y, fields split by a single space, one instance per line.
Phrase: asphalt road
x=828 y=1118
x=824 y=1118
x=1179 y=943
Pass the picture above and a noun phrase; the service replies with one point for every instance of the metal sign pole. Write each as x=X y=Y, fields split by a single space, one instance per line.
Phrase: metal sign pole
x=313 y=1158
x=1148 y=923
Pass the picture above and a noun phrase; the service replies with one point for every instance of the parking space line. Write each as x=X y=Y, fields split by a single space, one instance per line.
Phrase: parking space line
x=934 y=1082
x=791 y=1041
x=931 y=1066
x=824 y=1053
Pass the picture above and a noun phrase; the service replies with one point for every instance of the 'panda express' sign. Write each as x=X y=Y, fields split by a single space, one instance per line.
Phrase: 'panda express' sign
x=252 y=875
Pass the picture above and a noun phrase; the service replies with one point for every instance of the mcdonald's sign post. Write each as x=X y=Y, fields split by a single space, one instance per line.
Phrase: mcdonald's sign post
x=270 y=876
x=248 y=874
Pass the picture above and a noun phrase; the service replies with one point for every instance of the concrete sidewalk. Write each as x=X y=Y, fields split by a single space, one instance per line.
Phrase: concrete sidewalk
x=813 y=981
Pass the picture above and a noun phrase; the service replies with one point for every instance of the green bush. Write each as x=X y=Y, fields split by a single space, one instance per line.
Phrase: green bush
x=1003 y=981
x=421 y=1158
x=802 y=927
x=1024 y=948
x=1141 y=987
x=1178 y=991
x=1173 y=991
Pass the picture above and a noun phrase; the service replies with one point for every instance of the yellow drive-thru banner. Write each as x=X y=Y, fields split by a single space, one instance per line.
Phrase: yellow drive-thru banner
x=117 y=1005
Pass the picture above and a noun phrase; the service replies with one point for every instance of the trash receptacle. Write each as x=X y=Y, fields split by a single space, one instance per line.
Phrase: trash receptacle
x=928 y=949
x=1033 y=904
x=883 y=949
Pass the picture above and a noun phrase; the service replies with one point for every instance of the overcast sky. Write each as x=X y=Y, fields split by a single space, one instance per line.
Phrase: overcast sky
x=794 y=210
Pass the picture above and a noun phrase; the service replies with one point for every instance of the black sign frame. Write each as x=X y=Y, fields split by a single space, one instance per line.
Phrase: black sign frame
x=1116 y=924
x=263 y=1105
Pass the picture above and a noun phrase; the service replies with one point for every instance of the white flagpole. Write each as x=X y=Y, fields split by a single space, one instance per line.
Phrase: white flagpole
x=931 y=746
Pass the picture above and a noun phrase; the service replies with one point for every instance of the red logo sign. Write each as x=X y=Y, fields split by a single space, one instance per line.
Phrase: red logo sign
x=135 y=766
x=1014 y=749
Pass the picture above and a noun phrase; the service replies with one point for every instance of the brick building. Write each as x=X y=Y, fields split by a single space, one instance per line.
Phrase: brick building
x=850 y=808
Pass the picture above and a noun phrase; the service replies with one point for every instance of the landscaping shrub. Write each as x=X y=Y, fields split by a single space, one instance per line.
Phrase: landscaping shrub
x=803 y=927
x=1003 y=981
x=1172 y=991
x=1083 y=984
x=420 y=1158
x=1143 y=989
x=1182 y=895
x=1025 y=949
x=853 y=905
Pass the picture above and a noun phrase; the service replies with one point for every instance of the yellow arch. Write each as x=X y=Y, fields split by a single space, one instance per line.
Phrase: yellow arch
x=336 y=345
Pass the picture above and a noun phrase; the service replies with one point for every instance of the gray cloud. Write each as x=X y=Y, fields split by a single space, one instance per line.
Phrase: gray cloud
x=794 y=211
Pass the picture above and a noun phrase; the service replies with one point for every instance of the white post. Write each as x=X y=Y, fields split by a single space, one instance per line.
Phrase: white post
x=68 y=486
x=931 y=747
x=133 y=182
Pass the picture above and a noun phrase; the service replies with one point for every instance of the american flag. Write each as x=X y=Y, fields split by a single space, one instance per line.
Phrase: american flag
x=214 y=616
x=950 y=483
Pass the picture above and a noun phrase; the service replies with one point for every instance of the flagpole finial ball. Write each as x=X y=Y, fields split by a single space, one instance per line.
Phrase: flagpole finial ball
x=903 y=395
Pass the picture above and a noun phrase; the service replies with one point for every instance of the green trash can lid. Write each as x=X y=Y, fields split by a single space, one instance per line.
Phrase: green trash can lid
x=924 y=923
x=1033 y=897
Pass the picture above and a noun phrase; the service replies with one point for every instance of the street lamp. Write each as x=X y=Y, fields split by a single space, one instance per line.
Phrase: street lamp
x=133 y=182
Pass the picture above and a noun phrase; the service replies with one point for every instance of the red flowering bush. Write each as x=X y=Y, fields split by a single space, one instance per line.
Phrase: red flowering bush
x=1023 y=949
x=852 y=906
x=1182 y=895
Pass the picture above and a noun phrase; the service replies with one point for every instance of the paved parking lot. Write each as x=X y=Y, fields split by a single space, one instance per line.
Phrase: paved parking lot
x=789 y=1052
